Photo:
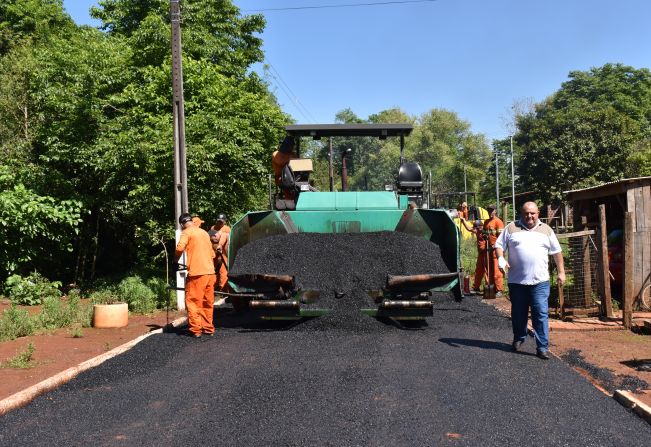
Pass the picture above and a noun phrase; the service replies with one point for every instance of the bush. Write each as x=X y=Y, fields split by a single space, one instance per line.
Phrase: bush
x=104 y=296
x=134 y=291
x=15 y=323
x=31 y=290
x=164 y=295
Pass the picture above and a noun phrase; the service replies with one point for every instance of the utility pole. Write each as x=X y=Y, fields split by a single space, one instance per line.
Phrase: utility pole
x=497 y=180
x=465 y=185
x=344 y=170
x=512 y=181
x=331 y=172
x=180 y=167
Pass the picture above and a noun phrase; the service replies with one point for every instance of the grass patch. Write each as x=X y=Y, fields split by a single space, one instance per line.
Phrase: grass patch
x=22 y=360
x=76 y=332
x=14 y=323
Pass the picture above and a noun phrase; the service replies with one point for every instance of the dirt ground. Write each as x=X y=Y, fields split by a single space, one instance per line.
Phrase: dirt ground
x=603 y=352
x=58 y=350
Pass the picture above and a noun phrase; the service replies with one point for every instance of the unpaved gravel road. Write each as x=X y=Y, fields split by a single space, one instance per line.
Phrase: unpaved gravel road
x=452 y=382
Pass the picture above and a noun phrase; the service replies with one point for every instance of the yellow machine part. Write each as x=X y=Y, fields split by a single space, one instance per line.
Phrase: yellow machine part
x=465 y=234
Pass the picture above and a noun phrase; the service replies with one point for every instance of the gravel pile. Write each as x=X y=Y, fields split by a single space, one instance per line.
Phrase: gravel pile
x=340 y=262
x=342 y=267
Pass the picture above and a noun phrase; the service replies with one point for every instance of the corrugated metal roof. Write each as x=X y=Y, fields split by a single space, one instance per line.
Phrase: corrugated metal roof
x=623 y=181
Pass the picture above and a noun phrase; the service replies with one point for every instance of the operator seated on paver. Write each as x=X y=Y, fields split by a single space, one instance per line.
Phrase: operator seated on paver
x=280 y=159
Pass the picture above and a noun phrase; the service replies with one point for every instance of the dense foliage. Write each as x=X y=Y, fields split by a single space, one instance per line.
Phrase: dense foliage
x=440 y=142
x=87 y=125
x=596 y=128
x=86 y=187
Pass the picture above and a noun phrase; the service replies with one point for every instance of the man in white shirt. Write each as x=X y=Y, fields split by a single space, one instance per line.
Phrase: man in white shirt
x=529 y=243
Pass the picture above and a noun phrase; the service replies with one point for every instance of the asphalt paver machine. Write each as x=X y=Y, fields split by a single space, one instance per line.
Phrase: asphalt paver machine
x=348 y=212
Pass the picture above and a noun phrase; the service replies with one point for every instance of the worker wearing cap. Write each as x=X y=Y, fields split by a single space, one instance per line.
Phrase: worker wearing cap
x=200 y=280
x=463 y=210
x=220 y=242
x=493 y=226
x=197 y=221
x=477 y=229
x=279 y=160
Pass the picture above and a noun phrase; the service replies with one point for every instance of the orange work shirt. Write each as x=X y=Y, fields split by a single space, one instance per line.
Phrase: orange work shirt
x=198 y=249
x=224 y=235
x=278 y=162
x=492 y=229
x=481 y=240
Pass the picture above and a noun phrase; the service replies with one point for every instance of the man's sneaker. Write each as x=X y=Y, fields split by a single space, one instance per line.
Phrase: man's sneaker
x=209 y=334
x=517 y=345
x=499 y=295
x=544 y=355
x=475 y=292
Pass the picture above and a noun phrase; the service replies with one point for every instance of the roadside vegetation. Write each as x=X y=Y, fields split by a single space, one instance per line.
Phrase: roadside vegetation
x=86 y=164
x=22 y=360
x=72 y=311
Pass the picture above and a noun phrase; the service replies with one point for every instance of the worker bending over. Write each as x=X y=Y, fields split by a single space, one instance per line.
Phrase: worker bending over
x=200 y=280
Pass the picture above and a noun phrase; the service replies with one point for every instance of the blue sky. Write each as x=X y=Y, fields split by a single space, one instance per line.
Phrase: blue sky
x=473 y=57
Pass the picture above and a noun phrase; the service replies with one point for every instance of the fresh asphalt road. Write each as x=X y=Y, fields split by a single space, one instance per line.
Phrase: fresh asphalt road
x=452 y=382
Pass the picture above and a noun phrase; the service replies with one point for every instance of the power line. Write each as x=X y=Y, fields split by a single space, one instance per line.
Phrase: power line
x=290 y=94
x=345 y=5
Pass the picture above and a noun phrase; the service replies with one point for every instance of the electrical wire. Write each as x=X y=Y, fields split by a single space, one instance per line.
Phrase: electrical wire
x=280 y=82
x=345 y=5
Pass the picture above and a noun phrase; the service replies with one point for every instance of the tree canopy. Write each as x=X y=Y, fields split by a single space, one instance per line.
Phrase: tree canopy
x=596 y=128
x=87 y=120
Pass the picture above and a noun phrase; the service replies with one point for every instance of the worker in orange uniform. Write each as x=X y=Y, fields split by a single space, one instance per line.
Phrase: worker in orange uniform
x=462 y=210
x=197 y=221
x=477 y=229
x=200 y=280
x=220 y=240
x=493 y=226
x=279 y=160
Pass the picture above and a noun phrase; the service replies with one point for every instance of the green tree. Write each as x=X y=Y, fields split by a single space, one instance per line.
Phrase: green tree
x=214 y=31
x=28 y=22
x=88 y=116
x=37 y=230
x=587 y=132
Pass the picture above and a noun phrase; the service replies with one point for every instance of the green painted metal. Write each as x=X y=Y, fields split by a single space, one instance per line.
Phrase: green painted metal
x=351 y=212
x=349 y=200
x=353 y=221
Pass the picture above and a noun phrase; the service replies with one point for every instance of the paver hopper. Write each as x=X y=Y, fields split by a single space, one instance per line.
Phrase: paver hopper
x=346 y=212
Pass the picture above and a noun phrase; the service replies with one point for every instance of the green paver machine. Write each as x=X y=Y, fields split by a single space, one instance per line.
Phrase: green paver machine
x=276 y=296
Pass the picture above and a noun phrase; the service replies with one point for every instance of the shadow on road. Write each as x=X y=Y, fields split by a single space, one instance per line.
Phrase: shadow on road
x=483 y=344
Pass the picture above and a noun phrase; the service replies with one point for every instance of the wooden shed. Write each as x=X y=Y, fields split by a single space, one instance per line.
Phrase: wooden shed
x=627 y=207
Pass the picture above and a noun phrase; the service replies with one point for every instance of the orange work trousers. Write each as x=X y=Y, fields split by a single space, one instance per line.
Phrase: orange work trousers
x=481 y=271
x=222 y=277
x=199 y=301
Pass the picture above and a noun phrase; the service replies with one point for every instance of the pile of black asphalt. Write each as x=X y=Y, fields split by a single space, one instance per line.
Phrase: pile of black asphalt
x=340 y=262
x=451 y=381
